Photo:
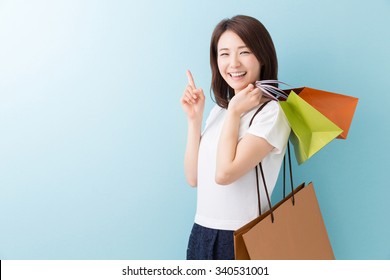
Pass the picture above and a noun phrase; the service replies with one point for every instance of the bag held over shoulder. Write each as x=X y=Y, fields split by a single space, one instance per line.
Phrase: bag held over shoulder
x=297 y=231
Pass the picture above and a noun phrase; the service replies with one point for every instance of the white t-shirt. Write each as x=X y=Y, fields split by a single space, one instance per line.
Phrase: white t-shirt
x=231 y=206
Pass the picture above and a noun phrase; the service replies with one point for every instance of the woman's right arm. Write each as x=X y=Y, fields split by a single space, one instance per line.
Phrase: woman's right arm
x=192 y=102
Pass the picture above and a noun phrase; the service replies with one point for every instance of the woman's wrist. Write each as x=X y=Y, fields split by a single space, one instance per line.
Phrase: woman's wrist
x=195 y=123
x=234 y=112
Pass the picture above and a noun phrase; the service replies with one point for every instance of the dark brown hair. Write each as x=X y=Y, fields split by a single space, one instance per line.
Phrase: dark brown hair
x=256 y=37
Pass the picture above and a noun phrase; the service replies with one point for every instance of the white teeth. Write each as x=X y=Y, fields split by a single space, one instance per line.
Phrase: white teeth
x=237 y=74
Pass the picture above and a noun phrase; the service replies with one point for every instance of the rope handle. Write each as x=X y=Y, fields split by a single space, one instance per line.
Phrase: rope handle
x=270 y=90
x=263 y=176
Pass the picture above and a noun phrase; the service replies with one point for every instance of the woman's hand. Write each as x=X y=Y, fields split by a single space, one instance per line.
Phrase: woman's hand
x=193 y=100
x=245 y=100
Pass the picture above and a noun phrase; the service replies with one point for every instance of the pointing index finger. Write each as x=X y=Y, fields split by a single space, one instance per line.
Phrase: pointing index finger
x=190 y=79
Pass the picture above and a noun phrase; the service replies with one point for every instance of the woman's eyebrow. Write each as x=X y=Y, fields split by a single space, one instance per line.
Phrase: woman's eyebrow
x=226 y=49
x=223 y=49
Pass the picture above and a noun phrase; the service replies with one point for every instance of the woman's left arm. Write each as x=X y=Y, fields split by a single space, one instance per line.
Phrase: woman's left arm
x=235 y=158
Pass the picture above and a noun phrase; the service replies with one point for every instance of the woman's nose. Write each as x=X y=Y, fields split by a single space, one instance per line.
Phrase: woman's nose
x=234 y=61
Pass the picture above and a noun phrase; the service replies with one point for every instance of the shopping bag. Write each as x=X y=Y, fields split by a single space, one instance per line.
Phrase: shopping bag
x=311 y=130
x=240 y=250
x=336 y=107
x=296 y=232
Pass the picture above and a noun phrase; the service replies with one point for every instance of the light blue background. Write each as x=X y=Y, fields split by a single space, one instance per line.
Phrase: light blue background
x=92 y=134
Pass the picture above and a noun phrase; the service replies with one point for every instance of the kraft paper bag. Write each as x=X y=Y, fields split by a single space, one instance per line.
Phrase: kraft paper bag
x=311 y=130
x=336 y=107
x=297 y=232
x=240 y=250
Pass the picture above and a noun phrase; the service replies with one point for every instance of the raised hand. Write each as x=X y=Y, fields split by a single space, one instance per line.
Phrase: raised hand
x=246 y=99
x=193 y=100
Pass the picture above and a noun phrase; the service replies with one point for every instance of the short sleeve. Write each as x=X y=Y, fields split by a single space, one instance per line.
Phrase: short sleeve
x=272 y=125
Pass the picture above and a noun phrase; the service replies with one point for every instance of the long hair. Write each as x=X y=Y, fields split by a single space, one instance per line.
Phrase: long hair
x=256 y=37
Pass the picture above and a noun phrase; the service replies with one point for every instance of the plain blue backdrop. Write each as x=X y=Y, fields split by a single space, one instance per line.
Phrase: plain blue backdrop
x=92 y=133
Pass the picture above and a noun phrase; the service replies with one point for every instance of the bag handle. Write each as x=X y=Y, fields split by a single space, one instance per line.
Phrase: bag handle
x=257 y=173
x=270 y=89
x=284 y=174
x=263 y=177
x=284 y=183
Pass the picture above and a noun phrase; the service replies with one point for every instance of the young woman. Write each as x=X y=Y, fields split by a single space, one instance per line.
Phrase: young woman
x=220 y=160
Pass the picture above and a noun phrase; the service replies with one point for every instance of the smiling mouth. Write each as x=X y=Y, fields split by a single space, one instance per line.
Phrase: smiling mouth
x=237 y=74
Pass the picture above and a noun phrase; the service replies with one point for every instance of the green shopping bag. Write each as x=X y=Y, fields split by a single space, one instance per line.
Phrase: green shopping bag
x=311 y=130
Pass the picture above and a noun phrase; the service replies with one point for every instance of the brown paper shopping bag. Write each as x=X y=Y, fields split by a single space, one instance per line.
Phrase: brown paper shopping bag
x=240 y=248
x=296 y=231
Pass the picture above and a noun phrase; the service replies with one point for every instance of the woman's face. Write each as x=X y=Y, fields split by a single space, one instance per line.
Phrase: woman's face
x=237 y=64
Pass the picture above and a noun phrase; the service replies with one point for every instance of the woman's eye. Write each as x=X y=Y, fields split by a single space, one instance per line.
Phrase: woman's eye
x=224 y=54
x=245 y=52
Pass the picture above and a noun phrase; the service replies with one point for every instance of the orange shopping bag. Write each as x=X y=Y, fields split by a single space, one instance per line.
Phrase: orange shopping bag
x=336 y=107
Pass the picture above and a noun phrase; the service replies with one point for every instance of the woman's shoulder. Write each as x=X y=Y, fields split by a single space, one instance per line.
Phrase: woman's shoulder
x=271 y=105
x=268 y=107
x=215 y=111
x=271 y=112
